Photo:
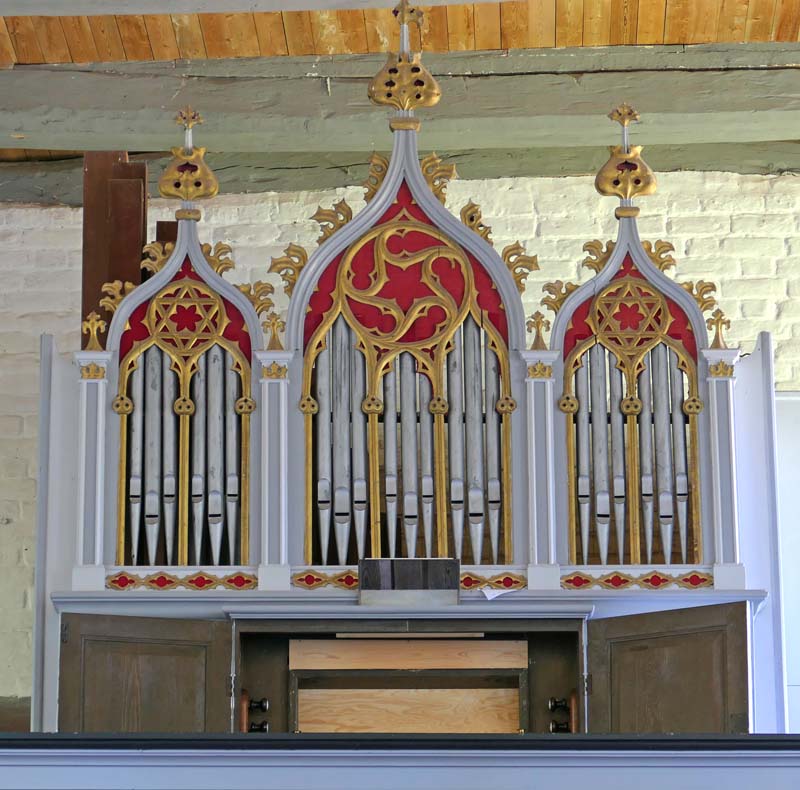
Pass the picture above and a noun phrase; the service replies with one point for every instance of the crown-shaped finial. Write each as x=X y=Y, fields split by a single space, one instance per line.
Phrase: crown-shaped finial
x=187 y=117
x=187 y=176
x=407 y=14
x=624 y=114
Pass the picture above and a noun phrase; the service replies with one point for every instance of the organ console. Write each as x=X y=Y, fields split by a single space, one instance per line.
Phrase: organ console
x=601 y=492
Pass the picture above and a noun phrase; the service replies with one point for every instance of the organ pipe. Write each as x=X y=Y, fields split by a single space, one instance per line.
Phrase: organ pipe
x=663 y=448
x=341 y=437
x=390 y=456
x=215 y=382
x=136 y=450
x=493 y=486
x=426 y=461
x=231 y=455
x=679 y=450
x=323 y=392
x=473 y=382
x=152 y=450
x=455 y=435
x=170 y=455
x=198 y=468
x=584 y=462
x=600 y=448
x=359 y=446
x=617 y=454
x=646 y=454
x=408 y=449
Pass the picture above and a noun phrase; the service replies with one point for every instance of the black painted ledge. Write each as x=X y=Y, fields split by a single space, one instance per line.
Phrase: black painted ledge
x=360 y=743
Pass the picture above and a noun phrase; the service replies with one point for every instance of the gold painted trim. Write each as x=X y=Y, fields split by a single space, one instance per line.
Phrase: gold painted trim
x=472 y=216
x=718 y=323
x=720 y=370
x=558 y=292
x=622 y=212
x=519 y=264
x=274 y=371
x=93 y=371
x=540 y=371
x=93 y=326
x=115 y=292
x=191 y=214
x=289 y=266
x=332 y=219
x=538 y=324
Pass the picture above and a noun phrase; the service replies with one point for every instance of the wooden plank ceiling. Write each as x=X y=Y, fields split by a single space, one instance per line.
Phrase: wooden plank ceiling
x=474 y=26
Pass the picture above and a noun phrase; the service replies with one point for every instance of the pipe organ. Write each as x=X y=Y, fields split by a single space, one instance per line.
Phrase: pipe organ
x=236 y=460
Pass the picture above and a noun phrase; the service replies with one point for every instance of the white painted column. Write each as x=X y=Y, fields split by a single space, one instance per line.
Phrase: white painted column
x=88 y=572
x=273 y=570
x=728 y=569
x=543 y=568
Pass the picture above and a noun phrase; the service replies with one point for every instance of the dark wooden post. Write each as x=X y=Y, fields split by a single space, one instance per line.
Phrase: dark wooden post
x=114 y=224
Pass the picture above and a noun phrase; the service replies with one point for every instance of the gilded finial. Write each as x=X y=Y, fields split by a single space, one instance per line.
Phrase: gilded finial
x=407 y=14
x=537 y=323
x=188 y=117
x=274 y=325
x=93 y=326
x=718 y=323
x=624 y=114
x=625 y=175
x=404 y=83
x=187 y=176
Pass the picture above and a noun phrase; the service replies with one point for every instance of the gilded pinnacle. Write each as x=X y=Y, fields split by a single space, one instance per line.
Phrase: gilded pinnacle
x=187 y=117
x=406 y=14
x=624 y=114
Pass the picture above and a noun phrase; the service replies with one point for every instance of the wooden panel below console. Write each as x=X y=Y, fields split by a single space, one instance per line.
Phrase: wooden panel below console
x=400 y=710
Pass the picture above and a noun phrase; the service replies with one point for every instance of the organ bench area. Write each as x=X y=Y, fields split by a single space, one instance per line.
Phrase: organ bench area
x=222 y=460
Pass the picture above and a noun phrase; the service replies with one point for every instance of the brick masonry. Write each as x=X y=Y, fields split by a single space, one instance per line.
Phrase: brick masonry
x=742 y=232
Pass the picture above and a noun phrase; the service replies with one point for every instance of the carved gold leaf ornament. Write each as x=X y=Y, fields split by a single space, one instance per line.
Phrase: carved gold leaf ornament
x=519 y=264
x=702 y=293
x=720 y=369
x=289 y=266
x=378 y=165
x=625 y=175
x=258 y=293
x=598 y=255
x=718 y=323
x=93 y=371
x=188 y=117
x=274 y=324
x=115 y=292
x=471 y=216
x=404 y=83
x=331 y=219
x=538 y=324
x=156 y=255
x=93 y=326
x=187 y=176
x=659 y=253
x=219 y=259
x=557 y=291
x=624 y=115
x=437 y=175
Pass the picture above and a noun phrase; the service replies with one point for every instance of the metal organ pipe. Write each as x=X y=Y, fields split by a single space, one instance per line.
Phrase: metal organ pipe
x=341 y=437
x=494 y=498
x=231 y=455
x=679 y=450
x=473 y=385
x=663 y=447
x=323 y=419
x=584 y=463
x=602 y=497
x=216 y=440
x=426 y=460
x=408 y=449
x=455 y=440
x=152 y=450
x=390 y=456
x=199 y=458
x=170 y=454
x=136 y=449
x=617 y=453
x=646 y=454
x=359 y=422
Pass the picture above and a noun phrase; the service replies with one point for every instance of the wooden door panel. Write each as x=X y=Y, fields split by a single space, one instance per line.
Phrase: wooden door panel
x=682 y=671
x=131 y=674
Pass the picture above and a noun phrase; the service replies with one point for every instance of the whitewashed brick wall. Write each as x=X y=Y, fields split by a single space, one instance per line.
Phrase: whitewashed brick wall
x=741 y=231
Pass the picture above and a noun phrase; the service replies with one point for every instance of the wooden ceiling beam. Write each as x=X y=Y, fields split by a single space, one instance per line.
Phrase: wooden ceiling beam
x=99 y=7
x=539 y=99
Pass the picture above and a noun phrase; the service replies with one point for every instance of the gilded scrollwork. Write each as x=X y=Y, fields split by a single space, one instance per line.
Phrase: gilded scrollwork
x=538 y=324
x=93 y=326
x=219 y=259
x=437 y=175
x=659 y=253
x=274 y=324
x=378 y=165
x=718 y=323
x=331 y=219
x=598 y=255
x=519 y=264
x=259 y=293
x=702 y=291
x=289 y=266
x=156 y=254
x=472 y=217
x=115 y=292
x=557 y=293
